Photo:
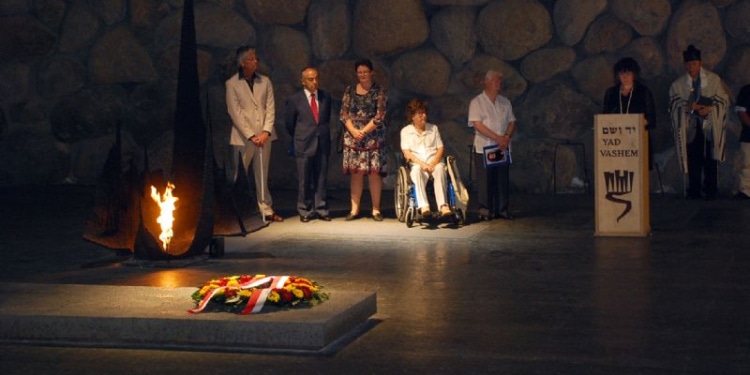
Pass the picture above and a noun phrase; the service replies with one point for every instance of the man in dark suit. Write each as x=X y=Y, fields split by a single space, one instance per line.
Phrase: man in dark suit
x=307 y=118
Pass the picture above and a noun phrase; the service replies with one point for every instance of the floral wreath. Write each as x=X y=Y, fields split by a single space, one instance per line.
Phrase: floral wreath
x=246 y=294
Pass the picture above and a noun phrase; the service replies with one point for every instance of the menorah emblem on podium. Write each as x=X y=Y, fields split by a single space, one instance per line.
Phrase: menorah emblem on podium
x=619 y=183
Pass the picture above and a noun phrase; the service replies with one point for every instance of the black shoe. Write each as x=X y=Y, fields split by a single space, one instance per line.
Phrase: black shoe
x=505 y=215
x=484 y=214
x=304 y=219
x=325 y=218
x=694 y=194
x=377 y=216
x=741 y=196
x=351 y=216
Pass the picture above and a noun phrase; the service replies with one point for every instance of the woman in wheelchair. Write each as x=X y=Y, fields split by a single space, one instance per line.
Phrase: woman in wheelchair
x=423 y=150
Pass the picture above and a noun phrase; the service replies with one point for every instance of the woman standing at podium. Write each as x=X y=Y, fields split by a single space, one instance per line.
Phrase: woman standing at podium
x=629 y=95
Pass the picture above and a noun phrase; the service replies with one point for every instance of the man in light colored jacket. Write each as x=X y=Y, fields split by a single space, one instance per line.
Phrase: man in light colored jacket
x=250 y=103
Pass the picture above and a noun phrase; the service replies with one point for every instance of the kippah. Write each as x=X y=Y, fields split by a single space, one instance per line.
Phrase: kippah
x=691 y=54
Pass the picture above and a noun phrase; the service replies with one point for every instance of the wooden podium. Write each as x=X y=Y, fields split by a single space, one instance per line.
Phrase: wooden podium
x=621 y=187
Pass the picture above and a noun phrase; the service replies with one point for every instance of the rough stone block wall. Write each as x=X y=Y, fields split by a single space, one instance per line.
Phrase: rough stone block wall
x=71 y=70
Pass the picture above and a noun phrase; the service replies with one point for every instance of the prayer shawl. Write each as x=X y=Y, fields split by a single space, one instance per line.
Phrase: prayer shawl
x=714 y=125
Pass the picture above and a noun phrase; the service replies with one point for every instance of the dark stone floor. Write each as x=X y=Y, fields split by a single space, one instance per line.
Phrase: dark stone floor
x=538 y=295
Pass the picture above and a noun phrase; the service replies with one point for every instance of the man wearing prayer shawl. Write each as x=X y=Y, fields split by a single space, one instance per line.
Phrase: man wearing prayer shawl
x=698 y=103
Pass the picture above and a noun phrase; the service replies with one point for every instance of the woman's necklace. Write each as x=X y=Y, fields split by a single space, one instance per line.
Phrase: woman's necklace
x=365 y=89
x=630 y=96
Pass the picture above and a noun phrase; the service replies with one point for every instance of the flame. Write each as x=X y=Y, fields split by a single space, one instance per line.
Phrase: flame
x=166 y=203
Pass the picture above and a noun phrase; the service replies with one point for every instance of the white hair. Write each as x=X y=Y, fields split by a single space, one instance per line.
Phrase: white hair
x=242 y=54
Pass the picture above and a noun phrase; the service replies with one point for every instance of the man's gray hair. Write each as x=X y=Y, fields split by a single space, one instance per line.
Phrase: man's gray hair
x=241 y=54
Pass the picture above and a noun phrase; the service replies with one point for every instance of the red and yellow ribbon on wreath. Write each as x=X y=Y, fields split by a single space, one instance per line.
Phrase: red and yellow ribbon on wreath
x=229 y=293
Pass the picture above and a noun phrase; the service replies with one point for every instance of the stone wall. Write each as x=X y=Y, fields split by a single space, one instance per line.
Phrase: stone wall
x=71 y=70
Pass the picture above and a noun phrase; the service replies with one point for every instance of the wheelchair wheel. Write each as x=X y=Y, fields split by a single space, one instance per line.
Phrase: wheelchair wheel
x=401 y=194
x=409 y=217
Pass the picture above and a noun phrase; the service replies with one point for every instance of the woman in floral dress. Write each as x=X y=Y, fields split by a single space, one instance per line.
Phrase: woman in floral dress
x=363 y=111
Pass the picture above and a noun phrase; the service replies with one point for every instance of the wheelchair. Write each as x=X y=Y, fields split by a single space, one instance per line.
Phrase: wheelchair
x=405 y=196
